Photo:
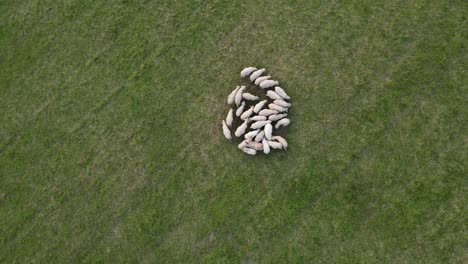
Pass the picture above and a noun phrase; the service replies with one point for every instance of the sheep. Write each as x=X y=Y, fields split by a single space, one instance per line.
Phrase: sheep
x=226 y=131
x=280 y=91
x=232 y=96
x=251 y=134
x=238 y=97
x=247 y=113
x=241 y=129
x=274 y=144
x=258 y=118
x=259 y=136
x=229 y=118
x=273 y=95
x=277 y=108
x=268 y=131
x=268 y=83
x=277 y=117
x=281 y=140
x=267 y=112
x=259 y=106
x=266 y=146
x=255 y=145
x=249 y=151
x=247 y=71
x=261 y=79
x=282 y=122
x=250 y=97
x=242 y=144
x=259 y=124
x=240 y=109
x=256 y=74
x=282 y=103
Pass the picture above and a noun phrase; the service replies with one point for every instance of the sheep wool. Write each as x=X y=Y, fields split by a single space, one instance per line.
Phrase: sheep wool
x=259 y=106
x=277 y=108
x=247 y=71
x=232 y=96
x=240 y=109
x=266 y=147
x=274 y=95
x=226 y=131
x=268 y=131
x=268 y=83
x=258 y=118
x=259 y=124
x=256 y=74
x=267 y=112
x=239 y=93
x=261 y=79
x=280 y=91
x=282 y=122
x=259 y=136
x=241 y=129
x=281 y=140
x=229 y=118
x=282 y=103
x=250 y=97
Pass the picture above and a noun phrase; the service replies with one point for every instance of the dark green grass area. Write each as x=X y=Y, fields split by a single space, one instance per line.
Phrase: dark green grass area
x=111 y=148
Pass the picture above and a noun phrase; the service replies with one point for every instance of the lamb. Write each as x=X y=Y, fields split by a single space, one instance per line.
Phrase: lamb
x=232 y=96
x=229 y=118
x=247 y=113
x=282 y=122
x=251 y=134
x=241 y=129
x=261 y=79
x=250 y=97
x=249 y=151
x=257 y=74
x=268 y=131
x=259 y=136
x=259 y=106
x=268 y=83
x=273 y=95
x=226 y=131
x=258 y=118
x=282 y=103
x=274 y=144
x=266 y=147
x=282 y=93
x=238 y=97
x=277 y=117
x=255 y=145
x=267 y=112
x=240 y=109
x=277 y=108
x=259 y=124
x=281 y=140
x=247 y=71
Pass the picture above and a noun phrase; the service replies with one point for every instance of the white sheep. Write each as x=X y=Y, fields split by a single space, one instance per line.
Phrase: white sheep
x=273 y=95
x=282 y=122
x=274 y=144
x=232 y=96
x=259 y=106
x=249 y=151
x=247 y=71
x=256 y=74
x=255 y=145
x=267 y=112
x=277 y=117
x=247 y=113
x=240 y=109
x=259 y=136
x=281 y=140
x=258 y=118
x=261 y=79
x=251 y=134
x=229 y=118
x=259 y=124
x=268 y=131
x=282 y=103
x=250 y=97
x=268 y=83
x=238 y=97
x=282 y=93
x=277 y=108
x=226 y=131
x=242 y=144
x=266 y=147
x=241 y=129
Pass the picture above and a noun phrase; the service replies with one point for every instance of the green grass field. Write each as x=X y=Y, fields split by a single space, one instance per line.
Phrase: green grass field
x=111 y=148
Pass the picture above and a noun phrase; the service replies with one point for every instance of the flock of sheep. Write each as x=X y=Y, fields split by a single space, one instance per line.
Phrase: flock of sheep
x=257 y=117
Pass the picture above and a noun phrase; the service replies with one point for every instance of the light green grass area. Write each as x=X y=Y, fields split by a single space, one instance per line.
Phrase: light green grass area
x=111 y=148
